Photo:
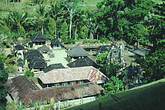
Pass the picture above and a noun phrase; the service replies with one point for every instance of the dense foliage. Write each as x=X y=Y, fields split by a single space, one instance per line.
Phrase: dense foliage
x=154 y=65
x=114 y=85
x=101 y=58
x=3 y=80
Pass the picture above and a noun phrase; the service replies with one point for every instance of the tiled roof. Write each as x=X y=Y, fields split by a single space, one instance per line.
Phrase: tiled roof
x=19 y=87
x=23 y=89
x=63 y=93
x=73 y=74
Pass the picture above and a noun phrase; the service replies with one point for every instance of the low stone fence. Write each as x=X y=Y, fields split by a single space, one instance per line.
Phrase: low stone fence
x=88 y=45
x=65 y=104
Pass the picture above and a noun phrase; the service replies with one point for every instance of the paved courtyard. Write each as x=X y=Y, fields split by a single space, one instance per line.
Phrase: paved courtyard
x=59 y=57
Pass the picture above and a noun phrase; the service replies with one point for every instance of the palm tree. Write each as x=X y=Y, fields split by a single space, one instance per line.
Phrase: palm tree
x=5 y=24
x=41 y=17
x=18 y=19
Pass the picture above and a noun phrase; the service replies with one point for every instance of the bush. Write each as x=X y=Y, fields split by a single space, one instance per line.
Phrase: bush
x=28 y=73
x=90 y=41
x=101 y=58
x=69 y=41
x=104 y=39
x=11 y=68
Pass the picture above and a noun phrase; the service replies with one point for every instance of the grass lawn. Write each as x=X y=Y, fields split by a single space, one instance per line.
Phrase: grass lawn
x=147 y=97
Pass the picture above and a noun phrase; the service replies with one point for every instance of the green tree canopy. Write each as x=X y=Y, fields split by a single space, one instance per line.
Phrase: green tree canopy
x=153 y=65
x=114 y=85
x=64 y=31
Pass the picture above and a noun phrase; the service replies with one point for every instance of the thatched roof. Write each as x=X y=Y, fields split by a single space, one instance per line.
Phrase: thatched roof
x=44 y=48
x=19 y=47
x=73 y=74
x=38 y=38
x=32 y=54
x=83 y=62
x=53 y=66
x=55 y=41
x=77 y=52
x=37 y=63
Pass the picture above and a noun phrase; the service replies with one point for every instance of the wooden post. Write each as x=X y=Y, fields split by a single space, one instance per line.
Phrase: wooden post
x=58 y=105
x=41 y=107
x=54 y=106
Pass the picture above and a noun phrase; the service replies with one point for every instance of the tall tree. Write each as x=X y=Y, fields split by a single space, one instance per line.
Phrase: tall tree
x=55 y=12
x=18 y=19
x=71 y=6
x=64 y=31
x=41 y=17
x=124 y=19
x=3 y=93
x=84 y=32
x=109 y=13
x=114 y=85
x=156 y=24
x=52 y=28
x=153 y=65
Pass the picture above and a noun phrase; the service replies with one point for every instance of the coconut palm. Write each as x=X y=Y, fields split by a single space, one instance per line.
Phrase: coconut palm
x=41 y=17
x=18 y=19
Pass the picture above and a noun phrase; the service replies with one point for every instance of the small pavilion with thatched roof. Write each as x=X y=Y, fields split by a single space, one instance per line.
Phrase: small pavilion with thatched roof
x=56 y=44
x=37 y=64
x=38 y=39
x=77 y=52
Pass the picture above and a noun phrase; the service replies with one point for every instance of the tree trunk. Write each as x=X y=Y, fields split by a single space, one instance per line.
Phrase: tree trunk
x=6 y=4
x=70 y=26
x=55 y=30
x=75 y=33
x=91 y=35
x=42 y=30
